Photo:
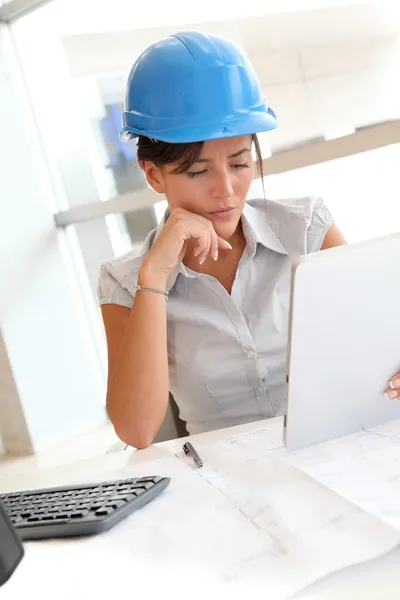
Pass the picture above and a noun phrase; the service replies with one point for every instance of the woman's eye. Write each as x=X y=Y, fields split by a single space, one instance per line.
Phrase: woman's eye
x=192 y=174
x=241 y=166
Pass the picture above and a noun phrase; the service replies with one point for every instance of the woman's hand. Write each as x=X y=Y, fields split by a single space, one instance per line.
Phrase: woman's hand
x=170 y=246
x=393 y=392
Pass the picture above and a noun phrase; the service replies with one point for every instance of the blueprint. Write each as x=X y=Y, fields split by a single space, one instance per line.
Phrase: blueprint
x=253 y=517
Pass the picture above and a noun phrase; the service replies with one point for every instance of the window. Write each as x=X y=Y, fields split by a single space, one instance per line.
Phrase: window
x=361 y=190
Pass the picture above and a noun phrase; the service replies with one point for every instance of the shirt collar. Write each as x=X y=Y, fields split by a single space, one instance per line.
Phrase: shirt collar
x=256 y=230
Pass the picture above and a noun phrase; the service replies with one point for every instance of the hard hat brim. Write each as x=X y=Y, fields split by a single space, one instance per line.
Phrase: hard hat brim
x=252 y=122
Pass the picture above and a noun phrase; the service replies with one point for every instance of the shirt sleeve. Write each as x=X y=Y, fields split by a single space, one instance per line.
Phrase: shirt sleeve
x=320 y=221
x=110 y=290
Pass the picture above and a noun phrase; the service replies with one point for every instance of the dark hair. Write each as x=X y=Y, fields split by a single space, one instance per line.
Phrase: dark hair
x=164 y=153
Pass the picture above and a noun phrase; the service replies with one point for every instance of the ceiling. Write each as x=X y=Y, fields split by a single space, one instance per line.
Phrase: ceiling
x=329 y=26
x=347 y=17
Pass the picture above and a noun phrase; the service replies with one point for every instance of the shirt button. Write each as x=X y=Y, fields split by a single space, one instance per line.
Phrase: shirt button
x=251 y=354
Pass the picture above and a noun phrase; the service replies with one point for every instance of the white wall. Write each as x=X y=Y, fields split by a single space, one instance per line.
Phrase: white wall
x=55 y=387
x=13 y=425
x=322 y=89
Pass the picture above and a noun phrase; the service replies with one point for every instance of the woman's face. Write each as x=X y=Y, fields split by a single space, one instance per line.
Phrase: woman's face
x=216 y=185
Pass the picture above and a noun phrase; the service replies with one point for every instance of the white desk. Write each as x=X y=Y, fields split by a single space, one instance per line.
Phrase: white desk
x=78 y=471
x=72 y=570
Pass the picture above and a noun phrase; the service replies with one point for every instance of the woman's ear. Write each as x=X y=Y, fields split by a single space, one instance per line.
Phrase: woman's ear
x=154 y=176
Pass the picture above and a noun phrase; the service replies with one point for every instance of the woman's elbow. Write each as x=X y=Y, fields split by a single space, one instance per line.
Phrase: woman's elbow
x=137 y=436
x=136 y=439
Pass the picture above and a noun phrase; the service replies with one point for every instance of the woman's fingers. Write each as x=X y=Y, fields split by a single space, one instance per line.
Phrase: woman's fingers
x=214 y=245
x=395 y=381
x=223 y=244
x=393 y=391
x=202 y=238
x=206 y=243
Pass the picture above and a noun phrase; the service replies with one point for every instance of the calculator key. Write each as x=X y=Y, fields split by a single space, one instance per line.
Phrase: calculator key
x=79 y=513
x=104 y=511
x=16 y=519
x=117 y=503
x=130 y=497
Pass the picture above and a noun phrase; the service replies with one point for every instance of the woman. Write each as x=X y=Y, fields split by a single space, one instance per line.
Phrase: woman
x=219 y=342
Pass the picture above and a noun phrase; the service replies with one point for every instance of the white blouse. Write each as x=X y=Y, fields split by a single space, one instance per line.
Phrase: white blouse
x=227 y=352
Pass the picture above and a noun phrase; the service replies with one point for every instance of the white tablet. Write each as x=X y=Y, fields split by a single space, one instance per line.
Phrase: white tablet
x=344 y=341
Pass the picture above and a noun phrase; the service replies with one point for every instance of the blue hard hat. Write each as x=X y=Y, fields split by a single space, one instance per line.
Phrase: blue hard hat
x=192 y=87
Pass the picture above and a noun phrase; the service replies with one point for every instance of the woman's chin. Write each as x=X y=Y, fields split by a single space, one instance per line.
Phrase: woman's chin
x=226 y=230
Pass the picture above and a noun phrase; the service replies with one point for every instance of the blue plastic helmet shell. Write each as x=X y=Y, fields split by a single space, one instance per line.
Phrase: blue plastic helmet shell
x=193 y=87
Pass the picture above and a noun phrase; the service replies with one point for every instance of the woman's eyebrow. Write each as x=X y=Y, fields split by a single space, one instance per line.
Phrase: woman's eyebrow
x=242 y=151
x=235 y=155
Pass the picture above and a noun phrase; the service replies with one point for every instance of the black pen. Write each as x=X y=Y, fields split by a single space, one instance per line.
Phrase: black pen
x=190 y=451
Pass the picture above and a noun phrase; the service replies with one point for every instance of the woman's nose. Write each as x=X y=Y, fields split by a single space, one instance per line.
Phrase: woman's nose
x=222 y=186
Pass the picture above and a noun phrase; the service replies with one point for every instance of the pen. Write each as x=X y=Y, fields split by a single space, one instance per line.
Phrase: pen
x=190 y=451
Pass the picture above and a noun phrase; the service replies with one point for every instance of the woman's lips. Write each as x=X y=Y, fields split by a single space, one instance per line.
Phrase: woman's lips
x=224 y=213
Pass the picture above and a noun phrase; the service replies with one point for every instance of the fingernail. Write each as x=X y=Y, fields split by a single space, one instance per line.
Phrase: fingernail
x=201 y=261
x=391 y=395
x=395 y=383
x=216 y=256
x=229 y=246
x=196 y=253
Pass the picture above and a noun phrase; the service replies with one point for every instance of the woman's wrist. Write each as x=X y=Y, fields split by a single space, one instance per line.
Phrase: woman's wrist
x=151 y=277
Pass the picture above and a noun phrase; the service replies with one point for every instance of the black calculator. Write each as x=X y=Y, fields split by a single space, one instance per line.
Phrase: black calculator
x=77 y=510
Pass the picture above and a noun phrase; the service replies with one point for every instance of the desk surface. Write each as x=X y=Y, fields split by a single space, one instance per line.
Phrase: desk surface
x=77 y=471
x=105 y=575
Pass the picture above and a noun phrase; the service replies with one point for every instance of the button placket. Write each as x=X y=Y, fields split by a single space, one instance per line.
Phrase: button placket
x=253 y=369
x=246 y=340
x=234 y=313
